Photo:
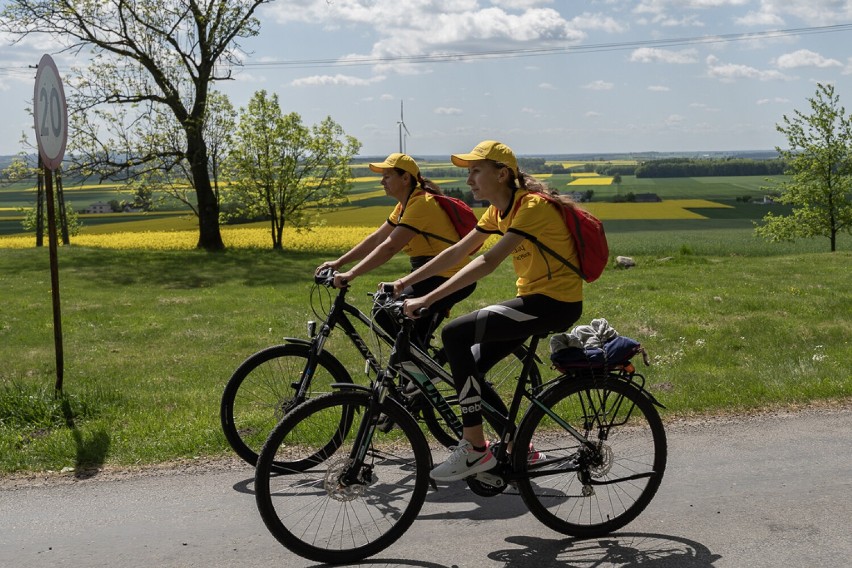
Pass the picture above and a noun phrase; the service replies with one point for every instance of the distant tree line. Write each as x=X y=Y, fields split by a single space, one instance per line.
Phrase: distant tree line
x=688 y=167
x=662 y=168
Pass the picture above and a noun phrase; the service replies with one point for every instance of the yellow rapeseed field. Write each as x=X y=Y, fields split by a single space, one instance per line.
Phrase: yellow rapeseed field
x=367 y=195
x=335 y=237
x=670 y=209
x=320 y=239
x=591 y=181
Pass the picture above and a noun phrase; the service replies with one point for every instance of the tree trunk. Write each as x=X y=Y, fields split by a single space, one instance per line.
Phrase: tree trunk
x=209 y=235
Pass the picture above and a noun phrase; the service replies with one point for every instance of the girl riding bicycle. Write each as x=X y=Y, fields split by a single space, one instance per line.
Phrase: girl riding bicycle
x=549 y=293
x=418 y=226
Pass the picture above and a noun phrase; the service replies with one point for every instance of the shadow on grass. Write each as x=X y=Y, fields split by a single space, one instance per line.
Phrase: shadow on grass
x=91 y=451
x=190 y=269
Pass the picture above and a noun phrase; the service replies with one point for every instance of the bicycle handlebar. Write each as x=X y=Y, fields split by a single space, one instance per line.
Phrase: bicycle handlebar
x=325 y=277
x=383 y=298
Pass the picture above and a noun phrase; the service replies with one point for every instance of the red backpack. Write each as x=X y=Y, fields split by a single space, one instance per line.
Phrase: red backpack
x=460 y=214
x=588 y=234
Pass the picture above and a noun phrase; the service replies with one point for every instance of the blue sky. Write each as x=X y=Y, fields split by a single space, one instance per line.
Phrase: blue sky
x=564 y=76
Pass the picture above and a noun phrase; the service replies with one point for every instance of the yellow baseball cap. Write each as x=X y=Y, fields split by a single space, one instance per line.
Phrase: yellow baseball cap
x=397 y=160
x=488 y=150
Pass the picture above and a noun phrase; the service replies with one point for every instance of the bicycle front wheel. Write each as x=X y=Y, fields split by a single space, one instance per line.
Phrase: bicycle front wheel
x=263 y=389
x=312 y=511
x=592 y=488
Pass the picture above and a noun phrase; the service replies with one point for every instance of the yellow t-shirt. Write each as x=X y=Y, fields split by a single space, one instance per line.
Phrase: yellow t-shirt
x=538 y=272
x=423 y=214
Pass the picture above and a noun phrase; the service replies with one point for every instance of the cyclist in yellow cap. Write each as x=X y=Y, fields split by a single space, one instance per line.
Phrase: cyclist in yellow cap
x=549 y=293
x=417 y=226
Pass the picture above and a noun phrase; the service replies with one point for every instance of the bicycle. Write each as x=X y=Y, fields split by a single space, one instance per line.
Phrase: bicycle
x=587 y=457
x=274 y=380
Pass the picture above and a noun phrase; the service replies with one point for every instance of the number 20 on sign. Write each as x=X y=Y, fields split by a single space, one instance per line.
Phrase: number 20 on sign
x=50 y=113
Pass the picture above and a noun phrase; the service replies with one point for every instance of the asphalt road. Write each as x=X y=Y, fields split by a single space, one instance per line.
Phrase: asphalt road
x=771 y=490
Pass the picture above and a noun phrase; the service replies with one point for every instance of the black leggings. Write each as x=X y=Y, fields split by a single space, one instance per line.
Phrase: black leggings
x=425 y=326
x=477 y=341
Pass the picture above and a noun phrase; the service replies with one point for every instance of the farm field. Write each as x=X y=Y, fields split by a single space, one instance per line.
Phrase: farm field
x=153 y=328
x=368 y=206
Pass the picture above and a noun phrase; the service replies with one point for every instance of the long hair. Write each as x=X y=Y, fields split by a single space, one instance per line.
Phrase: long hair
x=534 y=185
x=425 y=184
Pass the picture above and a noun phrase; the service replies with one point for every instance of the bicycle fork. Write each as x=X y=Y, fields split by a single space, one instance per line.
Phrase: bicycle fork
x=358 y=472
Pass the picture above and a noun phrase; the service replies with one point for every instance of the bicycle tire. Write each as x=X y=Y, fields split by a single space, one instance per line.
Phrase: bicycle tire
x=260 y=392
x=310 y=512
x=621 y=475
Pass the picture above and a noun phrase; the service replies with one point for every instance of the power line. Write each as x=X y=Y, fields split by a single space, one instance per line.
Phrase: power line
x=541 y=51
x=517 y=53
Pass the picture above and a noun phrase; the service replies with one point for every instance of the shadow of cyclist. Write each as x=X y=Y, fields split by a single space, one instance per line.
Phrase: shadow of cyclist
x=616 y=550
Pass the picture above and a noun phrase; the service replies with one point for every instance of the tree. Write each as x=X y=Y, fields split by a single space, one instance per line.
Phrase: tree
x=148 y=58
x=279 y=167
x=819 y=159
x=25 y=167
x=175 y=179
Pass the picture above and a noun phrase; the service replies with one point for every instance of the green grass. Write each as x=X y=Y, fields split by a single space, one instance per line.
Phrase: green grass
x=150 y=338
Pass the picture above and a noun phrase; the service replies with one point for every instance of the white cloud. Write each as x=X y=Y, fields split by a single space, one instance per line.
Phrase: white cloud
x=812 y=12
x=592 y=114
x=528 y=110
x=335 y=81
x=652 y=54
x=438 y=27
x=729 y=72
x=760 y=19
x=673 y=120
x=518 y=4
x=447 y=110
x=599 y=86
x=805 y=58
x=659 y=88
x=779 y=100
x=600 y=22
x=546 y=87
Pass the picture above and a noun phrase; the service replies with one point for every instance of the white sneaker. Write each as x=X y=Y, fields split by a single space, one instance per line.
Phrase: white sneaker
x=463 y=462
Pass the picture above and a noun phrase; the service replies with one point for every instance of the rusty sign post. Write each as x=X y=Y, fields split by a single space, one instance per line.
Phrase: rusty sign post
x=51 y=127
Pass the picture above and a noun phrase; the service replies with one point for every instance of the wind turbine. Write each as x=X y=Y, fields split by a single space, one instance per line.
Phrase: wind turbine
x=402 y=127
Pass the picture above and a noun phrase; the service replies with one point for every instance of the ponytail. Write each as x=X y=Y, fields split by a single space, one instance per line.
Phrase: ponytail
x=429 y=186
x=534 y=185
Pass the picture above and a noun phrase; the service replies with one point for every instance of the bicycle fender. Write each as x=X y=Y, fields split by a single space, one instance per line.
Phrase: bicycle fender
x=327 y=358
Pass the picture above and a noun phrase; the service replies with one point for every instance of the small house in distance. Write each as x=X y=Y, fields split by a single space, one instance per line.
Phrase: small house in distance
x=98 y=207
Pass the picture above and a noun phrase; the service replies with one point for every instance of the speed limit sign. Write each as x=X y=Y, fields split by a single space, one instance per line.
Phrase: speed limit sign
x=51 y=113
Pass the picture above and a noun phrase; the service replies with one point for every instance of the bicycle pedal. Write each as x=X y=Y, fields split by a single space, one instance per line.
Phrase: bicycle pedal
x=490 y=479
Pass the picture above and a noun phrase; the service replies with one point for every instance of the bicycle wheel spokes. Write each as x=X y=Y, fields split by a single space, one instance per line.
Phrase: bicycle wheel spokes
x=595 y=487
x=320 y=506
x=261 y=391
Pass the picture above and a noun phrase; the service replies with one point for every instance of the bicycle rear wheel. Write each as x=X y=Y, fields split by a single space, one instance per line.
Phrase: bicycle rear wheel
x=310 y=511
x=261 y=391
x=590 y=491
